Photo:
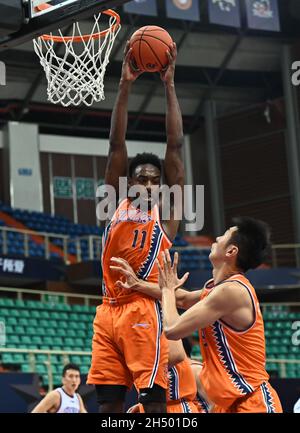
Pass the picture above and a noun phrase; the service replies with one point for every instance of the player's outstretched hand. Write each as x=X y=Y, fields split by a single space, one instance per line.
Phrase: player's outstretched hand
x=168 y=278
x=167 y=74
x=129 y=74
x=131 y=280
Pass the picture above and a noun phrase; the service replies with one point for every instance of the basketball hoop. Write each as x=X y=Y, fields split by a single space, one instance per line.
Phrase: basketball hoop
x=76 y=74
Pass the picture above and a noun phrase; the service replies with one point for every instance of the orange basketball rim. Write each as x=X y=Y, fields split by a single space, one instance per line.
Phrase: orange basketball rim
x=87 y=37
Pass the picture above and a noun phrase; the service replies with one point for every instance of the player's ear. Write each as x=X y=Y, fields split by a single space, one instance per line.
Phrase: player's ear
x=232 y=251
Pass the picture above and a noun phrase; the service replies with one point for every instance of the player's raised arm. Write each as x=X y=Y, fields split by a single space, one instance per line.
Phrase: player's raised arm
x=173 y=164
x=117 y=157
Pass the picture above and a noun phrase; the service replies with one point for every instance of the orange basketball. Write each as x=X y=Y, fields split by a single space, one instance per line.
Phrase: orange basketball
x=149 y=48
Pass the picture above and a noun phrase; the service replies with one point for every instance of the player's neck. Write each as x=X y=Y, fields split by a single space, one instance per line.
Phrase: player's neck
x=69 y=392
x=223 y=272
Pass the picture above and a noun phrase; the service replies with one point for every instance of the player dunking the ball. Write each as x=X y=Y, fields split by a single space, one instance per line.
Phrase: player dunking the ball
x=128 y=343
x=229 y=320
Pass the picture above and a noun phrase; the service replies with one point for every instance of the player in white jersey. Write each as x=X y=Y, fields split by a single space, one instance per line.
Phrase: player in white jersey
x=64 y=399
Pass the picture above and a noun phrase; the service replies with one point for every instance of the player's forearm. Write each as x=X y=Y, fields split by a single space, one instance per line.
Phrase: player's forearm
x=174 y=127
x=119 y=118
x=150 y=289
x=153 y=290
x=186 y=299
x=170 y=313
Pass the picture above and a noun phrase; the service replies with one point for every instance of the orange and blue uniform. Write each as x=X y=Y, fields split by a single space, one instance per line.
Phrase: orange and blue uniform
x=234 y=375
x=182 y=389
x=182 y=394
x=201 y=404
x=128 y=343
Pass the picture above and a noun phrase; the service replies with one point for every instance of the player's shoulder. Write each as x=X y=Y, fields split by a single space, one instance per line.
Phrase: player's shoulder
x=55 y=394
x=230 y=290
x=234 y=282
x=53 y=399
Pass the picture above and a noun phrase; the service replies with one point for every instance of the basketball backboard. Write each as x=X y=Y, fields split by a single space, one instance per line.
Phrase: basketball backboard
x=43 y=16
x=41 y=7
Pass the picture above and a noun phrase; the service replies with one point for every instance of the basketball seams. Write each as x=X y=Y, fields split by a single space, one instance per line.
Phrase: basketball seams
x=138 y=37
x=148 y=34
x=158 y=39
x=141 y=38
x=155 y=55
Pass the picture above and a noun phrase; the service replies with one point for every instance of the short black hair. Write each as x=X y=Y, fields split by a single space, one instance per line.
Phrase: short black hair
x=253 y=241
x=70 y=366
x=144 y=158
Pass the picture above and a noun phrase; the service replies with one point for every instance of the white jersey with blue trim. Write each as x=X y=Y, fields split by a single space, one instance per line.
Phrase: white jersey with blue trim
x=68 y=404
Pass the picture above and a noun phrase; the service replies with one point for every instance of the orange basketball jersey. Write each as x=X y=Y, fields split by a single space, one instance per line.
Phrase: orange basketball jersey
x=234 y=361
x=137 y=237
x=182 y=388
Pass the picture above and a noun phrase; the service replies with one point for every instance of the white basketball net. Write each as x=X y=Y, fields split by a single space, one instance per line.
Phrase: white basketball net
x=75 y=71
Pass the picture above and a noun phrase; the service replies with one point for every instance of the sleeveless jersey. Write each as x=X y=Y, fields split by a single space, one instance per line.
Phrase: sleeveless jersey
x=68 y=404
x=234 y=361
x=137 y=237
x=182 y=384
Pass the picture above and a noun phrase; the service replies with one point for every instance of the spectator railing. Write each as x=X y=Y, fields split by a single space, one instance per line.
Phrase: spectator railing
x=32 y=359
x=93 y=242
x=286 y=255
x=53 y=297
x=282 y=254
x=47 y=237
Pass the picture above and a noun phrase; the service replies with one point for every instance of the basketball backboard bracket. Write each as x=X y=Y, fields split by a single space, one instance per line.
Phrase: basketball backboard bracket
x=40 y=20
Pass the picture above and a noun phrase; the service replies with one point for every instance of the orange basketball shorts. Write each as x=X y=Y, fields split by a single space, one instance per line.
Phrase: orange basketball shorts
x=263 y=400
x=177 y=406
x=128 y=344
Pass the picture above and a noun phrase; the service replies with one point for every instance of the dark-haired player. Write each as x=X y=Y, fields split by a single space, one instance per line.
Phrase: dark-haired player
x=128 y=344
x=64 y=399
x=229 y=320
